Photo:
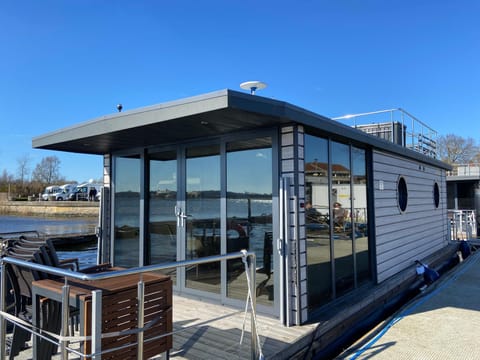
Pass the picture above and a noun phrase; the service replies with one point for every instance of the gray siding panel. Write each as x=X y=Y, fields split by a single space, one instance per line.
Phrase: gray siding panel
x=402 y=238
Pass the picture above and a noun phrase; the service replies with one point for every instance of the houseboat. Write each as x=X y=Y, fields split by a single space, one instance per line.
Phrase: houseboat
x=331 y=211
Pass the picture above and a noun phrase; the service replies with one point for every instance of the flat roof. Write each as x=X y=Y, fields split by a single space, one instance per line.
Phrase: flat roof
x=197 y=117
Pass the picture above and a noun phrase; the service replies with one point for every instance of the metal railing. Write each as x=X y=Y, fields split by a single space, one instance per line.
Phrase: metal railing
x=96 y=297
x=397 y=126
x=463 y=224
x=472 y=169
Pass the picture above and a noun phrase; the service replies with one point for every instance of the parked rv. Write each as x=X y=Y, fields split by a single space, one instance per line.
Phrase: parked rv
x=65 y=191
x=86 y=192
x=49 y=192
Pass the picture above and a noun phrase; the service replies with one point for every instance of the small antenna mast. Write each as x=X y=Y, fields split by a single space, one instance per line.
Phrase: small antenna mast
x=253 y=86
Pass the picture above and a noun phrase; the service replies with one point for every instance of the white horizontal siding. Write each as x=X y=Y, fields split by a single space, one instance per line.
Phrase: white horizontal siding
x=402 y=238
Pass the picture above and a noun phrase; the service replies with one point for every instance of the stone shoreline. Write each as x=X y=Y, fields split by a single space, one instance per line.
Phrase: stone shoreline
x=50 y=208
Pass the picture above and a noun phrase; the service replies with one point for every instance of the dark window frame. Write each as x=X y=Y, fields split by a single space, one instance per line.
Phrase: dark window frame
x=402 y=194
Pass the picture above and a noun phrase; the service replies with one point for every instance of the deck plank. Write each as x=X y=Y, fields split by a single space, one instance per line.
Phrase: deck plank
x=213 y=331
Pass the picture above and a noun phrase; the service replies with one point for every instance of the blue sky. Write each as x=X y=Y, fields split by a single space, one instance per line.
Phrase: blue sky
x=65 y=62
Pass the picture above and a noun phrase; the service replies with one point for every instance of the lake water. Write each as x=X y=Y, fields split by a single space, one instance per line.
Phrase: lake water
x=86 y=253
x=54 y=226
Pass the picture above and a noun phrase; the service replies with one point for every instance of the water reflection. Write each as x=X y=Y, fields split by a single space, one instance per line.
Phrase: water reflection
x=55 y=226
x=85 y=252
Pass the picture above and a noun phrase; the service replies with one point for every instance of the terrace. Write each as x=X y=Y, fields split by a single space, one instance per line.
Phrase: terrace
x=397 y=126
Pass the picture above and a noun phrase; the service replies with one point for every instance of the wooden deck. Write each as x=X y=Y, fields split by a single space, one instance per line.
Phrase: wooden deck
x=210 y=331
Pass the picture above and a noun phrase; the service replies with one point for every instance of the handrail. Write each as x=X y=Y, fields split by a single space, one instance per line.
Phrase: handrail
x=468 y=169
x=420 y=137
x=462 y=224
x=117 y=273
x=136 y=270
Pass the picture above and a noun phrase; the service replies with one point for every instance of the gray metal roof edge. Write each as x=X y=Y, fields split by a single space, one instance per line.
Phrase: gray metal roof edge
x=211 y=101
x=221 y=99
x=257 y=104
x=463 y=178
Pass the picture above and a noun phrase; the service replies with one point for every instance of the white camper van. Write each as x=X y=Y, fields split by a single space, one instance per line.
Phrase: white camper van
x=65 y=191
x=83 y=192
x=50 y=192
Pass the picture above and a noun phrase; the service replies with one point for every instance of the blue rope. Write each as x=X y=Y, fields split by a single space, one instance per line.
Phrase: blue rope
x=410 y=309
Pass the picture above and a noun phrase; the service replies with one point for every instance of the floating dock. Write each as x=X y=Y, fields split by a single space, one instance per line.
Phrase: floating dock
x=440 y=323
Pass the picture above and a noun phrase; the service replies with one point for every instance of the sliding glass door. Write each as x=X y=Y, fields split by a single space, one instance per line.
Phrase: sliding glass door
x=161 y=244
x=201 y=219
x=192 y=201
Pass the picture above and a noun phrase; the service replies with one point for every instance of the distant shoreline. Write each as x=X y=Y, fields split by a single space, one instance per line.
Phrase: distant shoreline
x=50 y=208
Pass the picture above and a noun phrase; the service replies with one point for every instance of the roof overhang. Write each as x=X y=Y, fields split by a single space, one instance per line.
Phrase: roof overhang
x=463 y=178
x=207 y=115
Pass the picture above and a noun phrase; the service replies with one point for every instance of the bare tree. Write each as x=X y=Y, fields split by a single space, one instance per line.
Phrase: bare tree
x=454 y=149
x=23 y=168
x=47 y=171
x=6 y=180
x=6 y=177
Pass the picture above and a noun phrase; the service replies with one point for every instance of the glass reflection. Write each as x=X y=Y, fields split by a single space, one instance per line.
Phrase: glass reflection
x=249 y=215
x=162 y=226
x=360 y=218
x=342 y=222
x=317 y=222
x=336 y=219
x=203 y=216
x=127 y=211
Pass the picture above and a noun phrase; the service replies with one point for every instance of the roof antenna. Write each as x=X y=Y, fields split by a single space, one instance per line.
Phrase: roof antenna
x=253 y=86
x=119 y=107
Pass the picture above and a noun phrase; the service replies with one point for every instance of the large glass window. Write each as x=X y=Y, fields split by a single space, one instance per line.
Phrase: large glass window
x=162 y=222
x=360 y=215
x=202 y=216
x=249 y=215
x=342 y=223
x=317 y=221
x=336 y=222
x=127 y=211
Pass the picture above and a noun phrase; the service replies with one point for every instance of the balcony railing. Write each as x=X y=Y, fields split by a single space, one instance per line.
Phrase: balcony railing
x=472 y=169
x=397 y=126
x=463 y=224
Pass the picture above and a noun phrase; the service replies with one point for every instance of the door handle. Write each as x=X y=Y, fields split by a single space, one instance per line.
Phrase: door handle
x=178 y=214
x=181 y=216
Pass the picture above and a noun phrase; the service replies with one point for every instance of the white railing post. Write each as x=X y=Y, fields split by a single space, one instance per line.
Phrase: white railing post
x=65 y=317
x=141 y=314
x=3 y=327
x=96 y=343
x=253 y=293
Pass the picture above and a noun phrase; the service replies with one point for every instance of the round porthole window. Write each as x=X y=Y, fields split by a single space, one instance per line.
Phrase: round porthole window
x=436 y=195
x=402 y=194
